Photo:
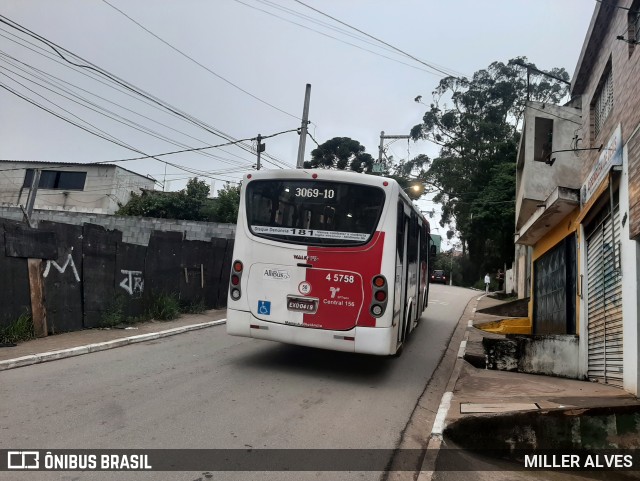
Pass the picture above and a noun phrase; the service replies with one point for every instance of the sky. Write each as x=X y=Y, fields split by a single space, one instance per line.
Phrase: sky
x=239 y=68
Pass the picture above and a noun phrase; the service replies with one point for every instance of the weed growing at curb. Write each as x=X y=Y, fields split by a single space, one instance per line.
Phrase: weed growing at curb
x=193 y=307
x=164 y=307
x=19 y=330
x=114 y=313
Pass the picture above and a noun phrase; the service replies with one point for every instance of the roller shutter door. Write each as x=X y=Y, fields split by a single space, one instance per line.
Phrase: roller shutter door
x=604 y=302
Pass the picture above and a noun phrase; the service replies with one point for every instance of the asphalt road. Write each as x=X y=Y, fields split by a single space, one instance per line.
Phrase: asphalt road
x=208 y=390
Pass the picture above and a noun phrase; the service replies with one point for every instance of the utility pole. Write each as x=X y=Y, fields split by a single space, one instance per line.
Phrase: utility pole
x=303 y=128
x=381 y=148
x=34 y=267
x=378 y=167
x=260 y=149
x=31 y=198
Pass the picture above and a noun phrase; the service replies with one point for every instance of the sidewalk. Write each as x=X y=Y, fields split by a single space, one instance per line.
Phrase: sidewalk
x=502 y=410
x=69 y=344
x=478 y=390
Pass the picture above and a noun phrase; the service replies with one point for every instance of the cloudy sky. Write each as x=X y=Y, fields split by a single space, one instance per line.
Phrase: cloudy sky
x=238 y=68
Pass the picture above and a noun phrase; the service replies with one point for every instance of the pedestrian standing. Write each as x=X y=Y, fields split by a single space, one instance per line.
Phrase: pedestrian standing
x=500 y=279
x=487 y=281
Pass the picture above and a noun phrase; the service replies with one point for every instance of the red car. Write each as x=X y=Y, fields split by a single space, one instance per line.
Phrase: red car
x=439 y=276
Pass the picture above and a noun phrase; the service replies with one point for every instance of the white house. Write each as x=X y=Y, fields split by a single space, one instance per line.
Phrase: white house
x=93 y=188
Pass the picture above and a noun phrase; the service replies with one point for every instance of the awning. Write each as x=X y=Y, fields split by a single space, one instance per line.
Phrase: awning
x=556 y=207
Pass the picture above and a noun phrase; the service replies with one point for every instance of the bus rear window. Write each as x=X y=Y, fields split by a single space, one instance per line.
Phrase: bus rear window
x=313 y=212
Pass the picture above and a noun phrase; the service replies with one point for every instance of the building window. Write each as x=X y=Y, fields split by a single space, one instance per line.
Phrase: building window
x=602 y=102
x=57 y=180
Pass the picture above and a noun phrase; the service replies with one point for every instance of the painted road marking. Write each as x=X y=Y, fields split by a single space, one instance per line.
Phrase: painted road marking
x=438 y=424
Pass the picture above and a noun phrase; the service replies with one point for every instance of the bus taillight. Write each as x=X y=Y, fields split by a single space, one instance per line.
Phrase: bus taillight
x=379 y=302
x=236 y=274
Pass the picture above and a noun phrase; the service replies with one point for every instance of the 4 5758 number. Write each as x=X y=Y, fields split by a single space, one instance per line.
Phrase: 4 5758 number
x=348 y=279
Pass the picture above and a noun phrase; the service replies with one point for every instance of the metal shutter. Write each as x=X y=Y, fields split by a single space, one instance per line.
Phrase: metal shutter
x=604 y=298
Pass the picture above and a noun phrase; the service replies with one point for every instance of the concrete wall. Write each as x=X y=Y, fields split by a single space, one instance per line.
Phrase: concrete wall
x=630 y=258
x=614 y=427
x=549 y=355
x=523 y=271
x=135 y=230
x=535 y=179
x=509 y=284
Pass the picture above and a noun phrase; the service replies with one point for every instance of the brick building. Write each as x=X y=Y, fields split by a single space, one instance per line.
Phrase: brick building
x=578 y=204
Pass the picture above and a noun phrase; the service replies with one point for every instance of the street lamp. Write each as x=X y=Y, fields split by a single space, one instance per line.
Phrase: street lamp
x=416 y=188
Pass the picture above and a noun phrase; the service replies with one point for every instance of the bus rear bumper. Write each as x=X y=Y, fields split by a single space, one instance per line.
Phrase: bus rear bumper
x=365 y=340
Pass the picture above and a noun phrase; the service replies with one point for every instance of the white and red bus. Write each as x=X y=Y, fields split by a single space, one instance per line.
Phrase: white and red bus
x=328 y=259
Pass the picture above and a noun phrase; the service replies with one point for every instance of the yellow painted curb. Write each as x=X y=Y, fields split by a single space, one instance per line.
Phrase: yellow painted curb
x=511 y=325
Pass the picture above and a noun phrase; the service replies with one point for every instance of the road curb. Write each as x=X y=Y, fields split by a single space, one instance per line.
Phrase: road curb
x=101 y=346
x=435 y=437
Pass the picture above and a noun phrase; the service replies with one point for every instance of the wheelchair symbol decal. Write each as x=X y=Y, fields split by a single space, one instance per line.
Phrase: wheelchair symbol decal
x=264 y=308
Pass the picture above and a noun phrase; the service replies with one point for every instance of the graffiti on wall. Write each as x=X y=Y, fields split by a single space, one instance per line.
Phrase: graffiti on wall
x=62 y=269
x=133 y=282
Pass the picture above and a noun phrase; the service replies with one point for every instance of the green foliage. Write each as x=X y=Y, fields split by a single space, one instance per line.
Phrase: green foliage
x=193 y=307
x=225 y=207
x=341 y=153
x=476 y=122
x=19 y=330
x=191 y=203
x=164 y=307
x=114 y=313
x=186 y=204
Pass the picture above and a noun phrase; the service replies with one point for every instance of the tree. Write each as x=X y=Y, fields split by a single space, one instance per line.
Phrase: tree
x=186 y=204
x=224 y=208
x=341 y=153
x=474 y=173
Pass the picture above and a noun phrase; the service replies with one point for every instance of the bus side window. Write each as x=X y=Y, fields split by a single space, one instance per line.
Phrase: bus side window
x=400 y=231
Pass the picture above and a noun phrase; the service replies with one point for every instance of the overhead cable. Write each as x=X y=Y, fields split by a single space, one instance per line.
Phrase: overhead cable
x=199 y=64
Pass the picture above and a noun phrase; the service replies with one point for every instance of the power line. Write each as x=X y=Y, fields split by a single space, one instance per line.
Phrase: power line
x=309 y=18
x=199 y=64
x=61 y=85
x=194 y=149
x=332 y=37
x=116 y=87
x=62 y=117
x=154 y=156
x=92 y=67
x=433 y=67
x=105 y=137
x=109 y=113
